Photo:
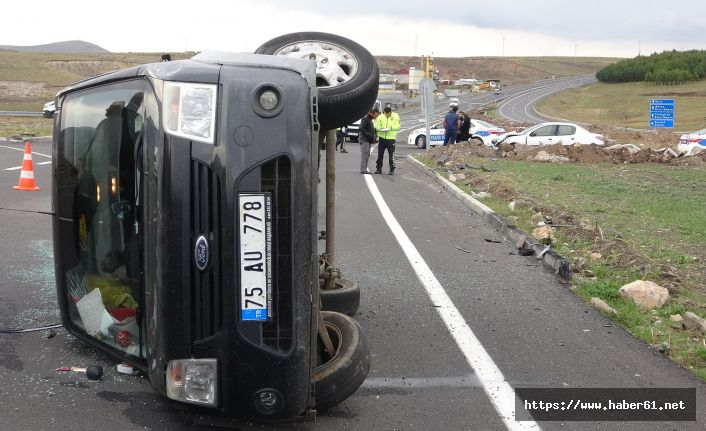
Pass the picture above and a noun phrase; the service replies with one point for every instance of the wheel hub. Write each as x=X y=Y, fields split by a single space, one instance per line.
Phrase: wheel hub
x=335 y=65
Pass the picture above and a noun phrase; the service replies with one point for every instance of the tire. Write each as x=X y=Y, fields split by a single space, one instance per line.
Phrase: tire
x=420 y=141
x=347 y=90
x=339 y=377
x=343 y=298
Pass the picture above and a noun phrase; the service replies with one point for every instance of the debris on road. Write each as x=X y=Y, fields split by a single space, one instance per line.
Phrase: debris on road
x=543 y=252
x=463 y=249
x=93 y=372
x=494 y=241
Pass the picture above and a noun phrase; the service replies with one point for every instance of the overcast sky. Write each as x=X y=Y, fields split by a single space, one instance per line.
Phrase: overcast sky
x=615 y=28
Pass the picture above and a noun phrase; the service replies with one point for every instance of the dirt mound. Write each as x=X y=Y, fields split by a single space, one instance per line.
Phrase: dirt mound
x=589 y=154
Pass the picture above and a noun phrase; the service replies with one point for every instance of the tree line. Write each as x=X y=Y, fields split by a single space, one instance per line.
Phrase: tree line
x=667 y=66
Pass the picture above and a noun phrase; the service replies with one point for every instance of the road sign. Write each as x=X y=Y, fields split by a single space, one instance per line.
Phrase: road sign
x=661 y=123
x=427 y=87
x=661 y=113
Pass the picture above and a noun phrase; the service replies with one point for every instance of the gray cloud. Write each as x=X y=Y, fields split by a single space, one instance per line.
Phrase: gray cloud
x=678 y=22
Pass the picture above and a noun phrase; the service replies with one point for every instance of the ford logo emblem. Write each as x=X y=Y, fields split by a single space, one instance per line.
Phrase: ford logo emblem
x=201 y=252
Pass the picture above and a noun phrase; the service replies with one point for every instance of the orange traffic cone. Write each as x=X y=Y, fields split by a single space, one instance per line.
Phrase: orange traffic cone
x=27 y=174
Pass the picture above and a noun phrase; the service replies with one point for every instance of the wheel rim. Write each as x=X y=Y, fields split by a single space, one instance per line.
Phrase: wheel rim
x=335 y=65
x=420 y=141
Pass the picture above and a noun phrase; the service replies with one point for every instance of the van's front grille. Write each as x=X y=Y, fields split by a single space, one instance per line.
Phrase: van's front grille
x=206 y=220
x=276 y=178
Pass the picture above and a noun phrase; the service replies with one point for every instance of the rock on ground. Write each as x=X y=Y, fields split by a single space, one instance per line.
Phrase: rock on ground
x=692 y=321
x=645 y=293
x=603 y=306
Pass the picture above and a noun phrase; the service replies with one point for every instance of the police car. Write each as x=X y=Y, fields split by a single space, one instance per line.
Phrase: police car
x=689 y=141
x=481 y=131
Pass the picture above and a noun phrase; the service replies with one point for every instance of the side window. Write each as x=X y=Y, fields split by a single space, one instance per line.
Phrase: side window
x=99 y=145
x=566 y=130
x=544 y=131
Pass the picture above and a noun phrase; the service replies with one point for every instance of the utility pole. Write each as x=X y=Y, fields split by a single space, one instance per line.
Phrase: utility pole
x=503 y=46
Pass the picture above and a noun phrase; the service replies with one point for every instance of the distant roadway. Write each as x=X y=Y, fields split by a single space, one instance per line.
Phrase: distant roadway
x=514 y=103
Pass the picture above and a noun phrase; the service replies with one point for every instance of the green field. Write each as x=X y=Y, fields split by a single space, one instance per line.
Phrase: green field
x=628 y=104
x=644 y=219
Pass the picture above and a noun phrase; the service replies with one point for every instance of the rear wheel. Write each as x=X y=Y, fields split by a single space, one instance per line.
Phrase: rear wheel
x=346 y=74
x=421 y=141
x=337 y=378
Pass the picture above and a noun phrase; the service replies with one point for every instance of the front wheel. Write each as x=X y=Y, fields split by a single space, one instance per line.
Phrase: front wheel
x=337 y=378
x=421 y=141
x=346 y=73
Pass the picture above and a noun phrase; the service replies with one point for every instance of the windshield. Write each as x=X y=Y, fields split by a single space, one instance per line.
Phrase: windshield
x=99 y=145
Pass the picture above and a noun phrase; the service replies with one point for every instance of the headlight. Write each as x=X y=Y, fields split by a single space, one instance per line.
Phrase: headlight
x=189 y=110
x=193 y=381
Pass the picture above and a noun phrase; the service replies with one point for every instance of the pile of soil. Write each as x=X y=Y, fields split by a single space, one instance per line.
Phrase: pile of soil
x=567 y=154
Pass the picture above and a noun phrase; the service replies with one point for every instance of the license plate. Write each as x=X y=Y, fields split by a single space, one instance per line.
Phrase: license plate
x=255 y=231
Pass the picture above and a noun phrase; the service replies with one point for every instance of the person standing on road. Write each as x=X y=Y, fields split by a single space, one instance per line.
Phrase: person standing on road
x=451 y=124
x=464 y=129
x=366 y=136
x=340 y=140
x=386 y=127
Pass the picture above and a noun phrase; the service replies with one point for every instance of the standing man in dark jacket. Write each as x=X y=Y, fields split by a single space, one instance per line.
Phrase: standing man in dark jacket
x=366 y=137
x=464 y=130
x=451 y=124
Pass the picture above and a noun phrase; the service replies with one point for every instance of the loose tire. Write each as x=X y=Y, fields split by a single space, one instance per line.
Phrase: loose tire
x=337 y=378
x=343 y=298
x=347 y=74
x=420 y=141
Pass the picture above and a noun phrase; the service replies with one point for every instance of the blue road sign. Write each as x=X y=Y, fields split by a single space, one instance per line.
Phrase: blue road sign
x=662 y=115
x=661 y=123
x=662 y=108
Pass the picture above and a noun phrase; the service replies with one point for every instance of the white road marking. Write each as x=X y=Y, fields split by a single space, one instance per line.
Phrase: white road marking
x=16 y=168
x=491 y=378
x=23 y=150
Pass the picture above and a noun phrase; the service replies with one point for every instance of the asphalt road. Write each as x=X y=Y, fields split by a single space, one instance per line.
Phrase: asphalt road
x=515 y=103
x=443 y=352
x=519 y=105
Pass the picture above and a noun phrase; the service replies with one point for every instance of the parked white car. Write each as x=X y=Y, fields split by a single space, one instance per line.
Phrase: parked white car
x=49 y=109
x=480 y=130
x=689 y=141
x=550 y=134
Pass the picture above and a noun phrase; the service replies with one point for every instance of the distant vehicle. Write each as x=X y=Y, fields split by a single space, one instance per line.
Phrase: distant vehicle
x=480 y=130
x=453 y=101
x=550 y=134
x=49 y=109
x=689 y=141
x=350 y=131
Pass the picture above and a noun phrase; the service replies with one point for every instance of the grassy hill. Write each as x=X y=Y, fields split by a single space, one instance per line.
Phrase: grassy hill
x=511 y=70
x=69 y=46
x=29 y=79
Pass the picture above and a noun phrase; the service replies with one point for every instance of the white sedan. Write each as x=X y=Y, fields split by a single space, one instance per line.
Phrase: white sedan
x=690 y=141
x=480 y=130
x=550 y=134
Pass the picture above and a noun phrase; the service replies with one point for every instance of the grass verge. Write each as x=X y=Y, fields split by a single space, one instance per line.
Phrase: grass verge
x=618 y=223
x=628 y=105
x=24 y=127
